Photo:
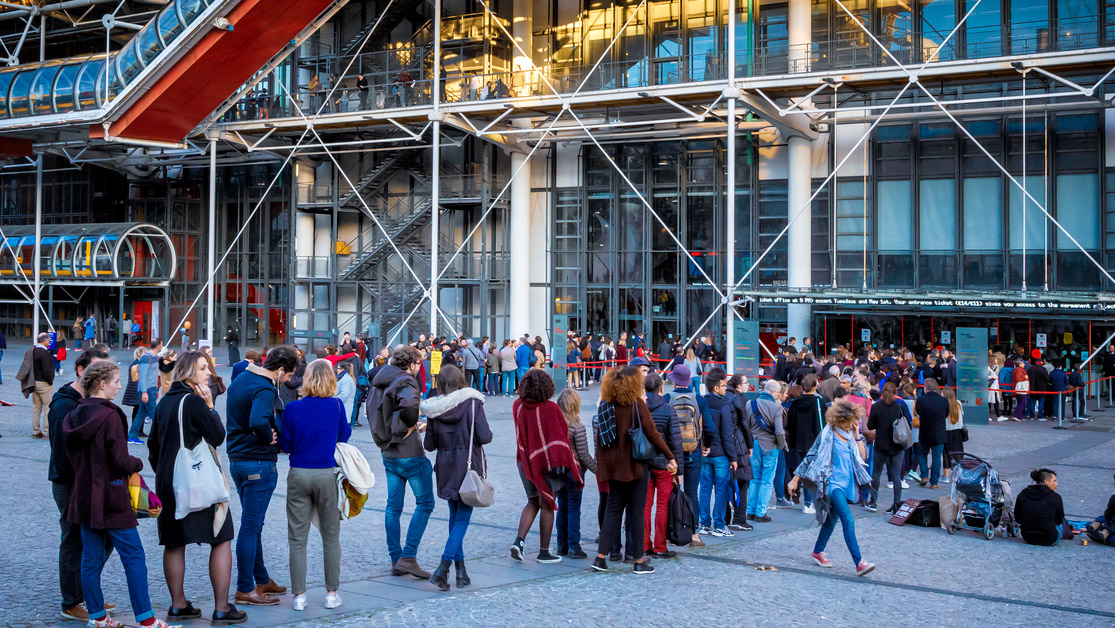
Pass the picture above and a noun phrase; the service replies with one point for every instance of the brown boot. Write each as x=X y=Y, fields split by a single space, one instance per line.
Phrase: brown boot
x=255 y=598
x=271 y=587
x=409 y=566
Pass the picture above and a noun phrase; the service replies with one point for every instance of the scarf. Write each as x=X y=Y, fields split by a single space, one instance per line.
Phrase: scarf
x=542 y=446
x=816 y=467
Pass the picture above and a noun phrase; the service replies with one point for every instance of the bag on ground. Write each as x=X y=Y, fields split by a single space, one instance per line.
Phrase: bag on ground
x=926 y=515
x=680 y=523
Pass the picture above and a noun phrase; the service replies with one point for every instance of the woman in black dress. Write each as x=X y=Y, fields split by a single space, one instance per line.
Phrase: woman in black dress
x=189 y=391
x=233 y=340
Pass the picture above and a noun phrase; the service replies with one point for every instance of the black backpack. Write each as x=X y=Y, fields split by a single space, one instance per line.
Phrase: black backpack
x=680 y=524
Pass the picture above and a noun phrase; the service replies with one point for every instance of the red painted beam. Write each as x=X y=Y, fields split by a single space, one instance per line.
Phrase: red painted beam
x=214 y=68
x=14 y=147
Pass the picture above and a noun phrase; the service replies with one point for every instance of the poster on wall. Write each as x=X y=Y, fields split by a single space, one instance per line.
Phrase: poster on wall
x=153 y=324
x=1041 y=341
x=865 y=335
x=971 y=373
x=558 y=357
x=946 y=337
x=746 y=347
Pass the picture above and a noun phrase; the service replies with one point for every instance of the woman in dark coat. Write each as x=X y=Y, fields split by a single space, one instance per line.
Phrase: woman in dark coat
x=189 y=392
x=233 y=340
x=626 y=478
x=451 y=414
x=100 y=502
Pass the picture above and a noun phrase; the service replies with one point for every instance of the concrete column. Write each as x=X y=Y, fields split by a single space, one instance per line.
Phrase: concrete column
x=519 y=245
x=799 y=183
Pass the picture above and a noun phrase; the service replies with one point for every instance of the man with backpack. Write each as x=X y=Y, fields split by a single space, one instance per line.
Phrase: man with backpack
x=719 y=461
x=689 y=407
x=805 y=419
x=764 y=419
x=393 y=418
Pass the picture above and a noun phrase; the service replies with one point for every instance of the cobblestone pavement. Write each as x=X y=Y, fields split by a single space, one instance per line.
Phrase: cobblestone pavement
x=924 y=576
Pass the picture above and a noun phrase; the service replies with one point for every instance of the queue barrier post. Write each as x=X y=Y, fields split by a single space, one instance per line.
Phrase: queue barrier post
x=1060 y=410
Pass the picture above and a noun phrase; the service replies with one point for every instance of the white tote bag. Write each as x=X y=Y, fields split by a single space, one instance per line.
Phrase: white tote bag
x=198 y=482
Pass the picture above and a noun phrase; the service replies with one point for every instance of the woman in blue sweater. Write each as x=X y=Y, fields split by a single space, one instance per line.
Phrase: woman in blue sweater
x=312 y=427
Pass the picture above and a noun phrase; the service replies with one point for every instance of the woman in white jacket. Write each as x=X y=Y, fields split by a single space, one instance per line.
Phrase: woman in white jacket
x=346 y=390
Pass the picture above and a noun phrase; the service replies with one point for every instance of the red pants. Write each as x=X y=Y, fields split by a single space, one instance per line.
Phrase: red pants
x=662 y=483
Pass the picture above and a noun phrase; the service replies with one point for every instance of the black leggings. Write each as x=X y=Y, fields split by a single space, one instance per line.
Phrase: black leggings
x=630 y=497
x=894 y=464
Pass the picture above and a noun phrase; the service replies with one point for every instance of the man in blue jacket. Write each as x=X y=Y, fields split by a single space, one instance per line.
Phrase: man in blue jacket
x=253 y=451
x=523 y=357
x=720 y=455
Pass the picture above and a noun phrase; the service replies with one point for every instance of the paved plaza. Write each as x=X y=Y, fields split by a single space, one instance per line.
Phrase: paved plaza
x=764 y=577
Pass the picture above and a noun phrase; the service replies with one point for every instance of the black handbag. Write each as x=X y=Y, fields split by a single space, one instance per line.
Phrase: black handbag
x=641 y=449
x=963 y=434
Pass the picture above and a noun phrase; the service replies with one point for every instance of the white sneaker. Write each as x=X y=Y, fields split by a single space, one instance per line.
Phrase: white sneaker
x=332 y=600
x=904 y=484
x=890 y=484
x=944 y=480
x=1000 y=419
x=809 y=510
x=300 y=602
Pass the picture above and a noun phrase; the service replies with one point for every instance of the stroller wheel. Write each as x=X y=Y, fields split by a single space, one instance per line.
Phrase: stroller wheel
x=988 y=531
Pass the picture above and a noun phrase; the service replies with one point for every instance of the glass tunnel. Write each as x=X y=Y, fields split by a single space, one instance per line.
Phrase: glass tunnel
x=78 y=83
x=130 y=253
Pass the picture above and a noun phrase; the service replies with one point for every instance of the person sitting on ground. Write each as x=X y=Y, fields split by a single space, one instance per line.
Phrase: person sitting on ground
x=1101 y=529
x=1040 y=512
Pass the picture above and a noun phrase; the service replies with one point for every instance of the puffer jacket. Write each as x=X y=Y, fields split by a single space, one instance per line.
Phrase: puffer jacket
x=666 y=420
x=447 y=433
x=578 y=440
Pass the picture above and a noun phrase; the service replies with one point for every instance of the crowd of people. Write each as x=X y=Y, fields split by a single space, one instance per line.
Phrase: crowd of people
x=816 y=434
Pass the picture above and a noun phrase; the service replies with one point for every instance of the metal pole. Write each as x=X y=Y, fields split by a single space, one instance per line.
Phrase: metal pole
x=37 y=268
x=730 y=316
x=435 y=183
x=1060 y=410
x=42 y=39
x=120 y=331
x=211 y=305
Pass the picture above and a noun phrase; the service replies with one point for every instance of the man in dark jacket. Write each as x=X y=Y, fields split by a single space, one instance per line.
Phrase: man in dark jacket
x=932 y=410
x=253 y=451
x=720 y=455
x=805 y=419
x=661 y=480
x=61 y=476
x=1040 y=383
x=41 y=389
x=393 y=418
x=737 y=399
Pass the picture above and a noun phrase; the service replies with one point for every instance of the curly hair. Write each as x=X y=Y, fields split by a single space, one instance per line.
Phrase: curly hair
x=622 y=386
x=536 y=386
x=844 y=414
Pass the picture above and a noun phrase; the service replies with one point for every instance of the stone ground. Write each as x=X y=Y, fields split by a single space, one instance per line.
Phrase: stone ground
x=924 y=576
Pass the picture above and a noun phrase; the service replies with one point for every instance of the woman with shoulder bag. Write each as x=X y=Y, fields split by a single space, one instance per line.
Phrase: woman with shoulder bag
x=312 y=427
x=456 y=429
x=188 y=409
x=626 y=477
x=886 y=452
x=100 y=502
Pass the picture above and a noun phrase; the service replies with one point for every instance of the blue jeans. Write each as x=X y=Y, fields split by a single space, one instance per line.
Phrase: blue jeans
x=1 y=358
x=691 y=469
x=866 y=495
x=839 y=510
x=521 y=372
x=1035 y=406
x=144 y=410
x=569 y=515
x=459 y=515
x=493 y=383
x=93 y=557
x=764 y=465
x=508 y=383
x=780 y=476
x=255 y=482
x=420 y=474
x=923 y=464
x=715 y=471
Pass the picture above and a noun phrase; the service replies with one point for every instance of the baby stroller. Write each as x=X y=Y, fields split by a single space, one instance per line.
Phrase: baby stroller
x=985 y=502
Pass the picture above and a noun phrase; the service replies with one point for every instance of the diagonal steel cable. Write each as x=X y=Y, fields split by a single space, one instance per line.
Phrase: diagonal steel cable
x=34 y=298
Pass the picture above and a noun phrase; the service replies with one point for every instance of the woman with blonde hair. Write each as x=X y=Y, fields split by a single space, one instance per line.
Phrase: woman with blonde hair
x=835 y=466
x=569 y=496
x=312 y=427
x=188 y=410
x=954 y=431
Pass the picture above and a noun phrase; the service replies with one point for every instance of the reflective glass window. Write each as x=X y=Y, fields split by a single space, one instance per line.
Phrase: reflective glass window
x=983 y=33
x=190 y=9
x=87 y=81
x=148 y=43
x=127 y=63
x=18 y=103
x=938 y=18
x=169 y=25
x=5 y=83
x=41 y=90
x=937 y=214
x=64 y=87
x=1078 y=203
x=1035 y=219
x=895 y=222
x=1029 y=26
x=983 y=214
x=1077 y=24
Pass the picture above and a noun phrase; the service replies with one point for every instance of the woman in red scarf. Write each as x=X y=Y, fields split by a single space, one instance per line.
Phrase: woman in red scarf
x=544 y=457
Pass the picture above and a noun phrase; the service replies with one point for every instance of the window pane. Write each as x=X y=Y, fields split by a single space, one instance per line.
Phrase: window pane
x=1079 y=210
x=938 y=17
x=937 y=215
x=983 y=33
x=896 y=222
x=1029 y=26
x=1035 y=219
x=983 y=214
